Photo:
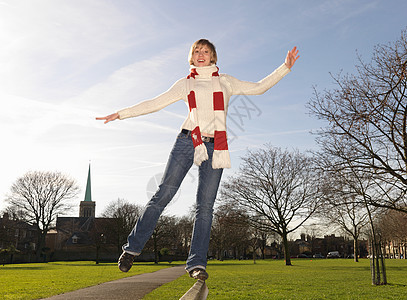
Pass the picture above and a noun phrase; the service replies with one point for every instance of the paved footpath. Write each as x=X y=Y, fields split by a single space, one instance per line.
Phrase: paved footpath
x=134 y=287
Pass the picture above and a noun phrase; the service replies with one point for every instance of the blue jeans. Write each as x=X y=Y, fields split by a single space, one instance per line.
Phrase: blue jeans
x=179 y=163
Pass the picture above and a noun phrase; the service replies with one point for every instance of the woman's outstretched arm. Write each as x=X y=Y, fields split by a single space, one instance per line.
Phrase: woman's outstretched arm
x=175 y=93
x=240 y=87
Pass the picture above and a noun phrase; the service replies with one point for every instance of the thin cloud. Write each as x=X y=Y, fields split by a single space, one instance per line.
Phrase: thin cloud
x=135 y=82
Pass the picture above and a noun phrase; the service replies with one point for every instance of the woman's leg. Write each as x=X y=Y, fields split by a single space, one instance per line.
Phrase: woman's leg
x=208 y=184
x=179 y=163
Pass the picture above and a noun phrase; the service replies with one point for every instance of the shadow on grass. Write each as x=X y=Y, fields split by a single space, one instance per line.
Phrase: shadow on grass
x=15 y=267
x=396 y=268
x=347 y=268
x=47 y=266
x=397 y=284
x=160 y=264
x=296 y=263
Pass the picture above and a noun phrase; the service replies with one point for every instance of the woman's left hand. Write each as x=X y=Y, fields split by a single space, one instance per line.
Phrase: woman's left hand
x=292 y=56
x=109 y=118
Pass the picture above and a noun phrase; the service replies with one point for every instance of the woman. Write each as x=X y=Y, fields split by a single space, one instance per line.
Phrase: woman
x=202 y=141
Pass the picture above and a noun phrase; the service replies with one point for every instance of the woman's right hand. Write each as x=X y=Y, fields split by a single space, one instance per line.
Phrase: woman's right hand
x=291 y=58
x=109 y=118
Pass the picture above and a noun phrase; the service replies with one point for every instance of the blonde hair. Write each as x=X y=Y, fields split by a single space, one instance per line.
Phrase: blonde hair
x=201 y=43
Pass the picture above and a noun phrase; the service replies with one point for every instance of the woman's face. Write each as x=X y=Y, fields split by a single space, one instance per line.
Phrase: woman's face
x=201 y=56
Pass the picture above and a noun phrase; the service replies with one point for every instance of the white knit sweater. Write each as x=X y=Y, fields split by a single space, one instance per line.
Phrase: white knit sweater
x=203 y=91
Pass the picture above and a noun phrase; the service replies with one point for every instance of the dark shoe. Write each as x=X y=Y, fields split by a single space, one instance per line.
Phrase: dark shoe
x=198 y=274
x=125 y=261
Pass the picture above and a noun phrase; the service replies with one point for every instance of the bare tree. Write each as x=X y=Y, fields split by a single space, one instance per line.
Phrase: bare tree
x=171 y=237
x=393 y=227
x=367 y=114
x=14 y=213
x=339 y=205
x=125 y=215
x=257 y=240
x=163 y=236
x=230 y=231
x=41 y=196
x=366 y=134
x=277 y=189
x=358 y=186
x=183 y=234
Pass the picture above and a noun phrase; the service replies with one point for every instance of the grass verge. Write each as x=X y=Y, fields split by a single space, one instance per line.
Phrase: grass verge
x=306 y=279
x=34 y=281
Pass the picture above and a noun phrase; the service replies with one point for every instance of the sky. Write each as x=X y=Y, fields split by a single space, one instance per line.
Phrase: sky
x=65 y=62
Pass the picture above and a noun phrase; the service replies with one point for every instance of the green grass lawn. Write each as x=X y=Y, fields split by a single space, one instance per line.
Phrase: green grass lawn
x=306 y=279
x=269 y=279
x=34 y=281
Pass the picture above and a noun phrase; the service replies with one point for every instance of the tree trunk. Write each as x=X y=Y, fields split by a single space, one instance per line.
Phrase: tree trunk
x=376 y=255
x=40 y=245
x=378 y=267
x=119 y=240
x=155 y=249
x=377 y=262
x=97 y=254
x=356 y=249
x=372 y=262
x=286 y=250
x=382 y=265
x=263 y=248
x=254 y=247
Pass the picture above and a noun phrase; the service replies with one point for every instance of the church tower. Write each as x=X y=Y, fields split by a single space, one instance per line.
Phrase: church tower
x=87 y=206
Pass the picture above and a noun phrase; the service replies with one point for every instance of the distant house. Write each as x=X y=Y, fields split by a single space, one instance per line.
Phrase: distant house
x=328 y=243
x=304 y=246
x=395 y=249
x=84 y=237
x=274 y=250
x=18 y=239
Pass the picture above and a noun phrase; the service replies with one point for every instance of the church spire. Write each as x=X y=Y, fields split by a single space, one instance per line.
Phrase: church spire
x=87 y=206
x=88 y=193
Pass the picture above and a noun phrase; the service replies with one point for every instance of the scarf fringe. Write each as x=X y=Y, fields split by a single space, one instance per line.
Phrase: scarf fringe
x=200 y=154
x=221 y=159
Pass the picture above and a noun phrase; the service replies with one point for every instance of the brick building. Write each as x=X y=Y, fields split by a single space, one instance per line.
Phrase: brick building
x=84 y=237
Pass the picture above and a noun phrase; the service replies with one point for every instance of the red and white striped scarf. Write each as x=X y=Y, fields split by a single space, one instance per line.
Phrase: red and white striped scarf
x=221 y=158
